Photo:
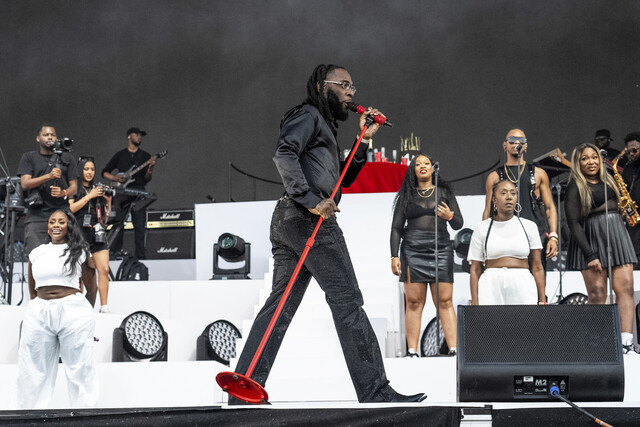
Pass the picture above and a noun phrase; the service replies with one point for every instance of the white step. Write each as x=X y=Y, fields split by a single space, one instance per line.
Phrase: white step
x=317 y=379
x=324 y=342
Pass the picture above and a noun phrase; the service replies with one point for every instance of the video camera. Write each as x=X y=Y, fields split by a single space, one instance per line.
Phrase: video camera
x=61 y=145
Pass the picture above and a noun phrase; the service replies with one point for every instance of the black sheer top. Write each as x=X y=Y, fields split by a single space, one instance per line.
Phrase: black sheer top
x=575 y=218
x=419 y=214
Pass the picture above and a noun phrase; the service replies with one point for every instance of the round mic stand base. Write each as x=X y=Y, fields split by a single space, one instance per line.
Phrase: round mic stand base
x=242 y=387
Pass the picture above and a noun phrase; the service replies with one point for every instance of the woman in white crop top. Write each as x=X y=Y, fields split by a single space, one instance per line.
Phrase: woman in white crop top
x=505 y=244
x=59 y=321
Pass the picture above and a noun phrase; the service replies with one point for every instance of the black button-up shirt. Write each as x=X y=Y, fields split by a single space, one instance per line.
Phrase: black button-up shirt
x=308 y=157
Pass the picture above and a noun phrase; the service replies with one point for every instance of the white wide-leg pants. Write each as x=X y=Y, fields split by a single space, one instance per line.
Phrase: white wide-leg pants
x=59 y=328
x=502 y=286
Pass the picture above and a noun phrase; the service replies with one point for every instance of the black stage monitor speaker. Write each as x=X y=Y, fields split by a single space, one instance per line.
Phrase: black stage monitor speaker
x=518 y=352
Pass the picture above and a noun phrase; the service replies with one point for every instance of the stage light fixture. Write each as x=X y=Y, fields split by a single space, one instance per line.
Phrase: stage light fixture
x=461 y=246
x=575 y=298
x=461 y=242
x=232 y=249
x=140 y=337
x=429 y=340
x=218 y=342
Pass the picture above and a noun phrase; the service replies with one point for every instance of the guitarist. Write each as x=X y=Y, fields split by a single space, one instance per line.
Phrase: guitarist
x=122 y=161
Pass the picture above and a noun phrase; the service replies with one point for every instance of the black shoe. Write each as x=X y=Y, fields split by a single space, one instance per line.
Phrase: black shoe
x=411 y=354
x=389 y=395
x=452 y=352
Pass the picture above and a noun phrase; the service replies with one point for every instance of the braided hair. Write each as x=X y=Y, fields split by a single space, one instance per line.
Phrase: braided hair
x=316 y=96
x=407 y=191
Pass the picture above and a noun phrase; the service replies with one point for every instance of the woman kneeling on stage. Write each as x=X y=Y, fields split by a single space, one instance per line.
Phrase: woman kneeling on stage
x=505 y=244
x=414 y=222
x=59 y=322
x=586 y=207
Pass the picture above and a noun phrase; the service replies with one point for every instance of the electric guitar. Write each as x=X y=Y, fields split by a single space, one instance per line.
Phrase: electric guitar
x=134 y=170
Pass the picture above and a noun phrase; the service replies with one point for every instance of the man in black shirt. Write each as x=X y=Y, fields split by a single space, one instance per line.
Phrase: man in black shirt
x=48 y=179
x=602 y=140
x=307 y=157
x=631 y=177
x=535 y=198
x=123 y=161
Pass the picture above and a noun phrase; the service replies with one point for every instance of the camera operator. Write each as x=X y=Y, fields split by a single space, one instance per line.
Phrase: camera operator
x=91 y=209
x=48 y=177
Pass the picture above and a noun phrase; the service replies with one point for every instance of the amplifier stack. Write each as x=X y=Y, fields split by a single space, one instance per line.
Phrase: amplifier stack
x=170 y=234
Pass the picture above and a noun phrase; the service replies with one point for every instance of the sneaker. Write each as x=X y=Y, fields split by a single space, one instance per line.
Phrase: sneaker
x=629 y=348
x=104 y=310
x=411 y=354
x=452 y=352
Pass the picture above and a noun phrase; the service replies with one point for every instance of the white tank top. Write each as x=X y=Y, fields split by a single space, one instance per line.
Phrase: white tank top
x=47 y=267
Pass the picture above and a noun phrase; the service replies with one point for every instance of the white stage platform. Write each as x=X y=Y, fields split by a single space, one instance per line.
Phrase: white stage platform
x=310 y=370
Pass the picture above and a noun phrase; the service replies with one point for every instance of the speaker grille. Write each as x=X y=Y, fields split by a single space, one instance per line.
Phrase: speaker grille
x=496 y=334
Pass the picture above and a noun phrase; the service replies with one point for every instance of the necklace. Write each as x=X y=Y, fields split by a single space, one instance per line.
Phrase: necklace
x=514 y=179
x=426 y=192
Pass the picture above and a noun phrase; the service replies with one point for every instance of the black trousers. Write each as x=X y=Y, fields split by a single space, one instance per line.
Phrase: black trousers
x=139 y=221
x=329 y=263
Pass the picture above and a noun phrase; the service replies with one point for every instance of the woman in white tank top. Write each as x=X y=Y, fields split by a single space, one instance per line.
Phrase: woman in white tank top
x=505 y=244
x=59 y=321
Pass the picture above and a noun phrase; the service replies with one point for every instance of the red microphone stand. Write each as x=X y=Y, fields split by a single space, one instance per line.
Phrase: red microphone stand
x=242 y=386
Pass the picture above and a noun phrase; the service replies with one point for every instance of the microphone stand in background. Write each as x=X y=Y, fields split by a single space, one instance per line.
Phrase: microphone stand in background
x=603 y=153
x=518 y=175
x=435 y=179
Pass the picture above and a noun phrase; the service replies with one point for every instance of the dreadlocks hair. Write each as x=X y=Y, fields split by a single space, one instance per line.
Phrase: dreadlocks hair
x=407 y=191
x=316 y=97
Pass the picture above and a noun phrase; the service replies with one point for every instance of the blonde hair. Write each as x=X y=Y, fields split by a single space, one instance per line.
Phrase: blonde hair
x=581 y=182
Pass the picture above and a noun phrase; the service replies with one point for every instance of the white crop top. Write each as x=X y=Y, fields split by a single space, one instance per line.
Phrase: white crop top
x=47 y=267
x=507 y=239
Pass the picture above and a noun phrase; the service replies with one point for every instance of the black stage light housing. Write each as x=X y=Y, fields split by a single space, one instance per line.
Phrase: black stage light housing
x=233 y=249
x=140 y=337
x=429 y=341
x=461 y=246
x=575 y=298
x=218 y=342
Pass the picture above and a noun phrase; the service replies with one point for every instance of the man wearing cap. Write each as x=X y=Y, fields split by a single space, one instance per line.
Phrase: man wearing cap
x=122 y=161
x=535 y=196
x=603 y=139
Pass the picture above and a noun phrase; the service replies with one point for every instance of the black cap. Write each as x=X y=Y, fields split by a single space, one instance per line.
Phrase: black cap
x=136 y=130
x=603 y=132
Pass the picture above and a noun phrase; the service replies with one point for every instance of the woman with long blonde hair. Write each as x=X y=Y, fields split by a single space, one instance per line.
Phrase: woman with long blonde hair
x=588 y=220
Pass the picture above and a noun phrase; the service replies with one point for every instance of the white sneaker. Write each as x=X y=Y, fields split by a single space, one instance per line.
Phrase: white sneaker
x=629 y=348
x=104 y=310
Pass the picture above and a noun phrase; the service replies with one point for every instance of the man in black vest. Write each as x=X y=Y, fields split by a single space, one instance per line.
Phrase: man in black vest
x=49 y=177
x=123 y=161
x=535 y=198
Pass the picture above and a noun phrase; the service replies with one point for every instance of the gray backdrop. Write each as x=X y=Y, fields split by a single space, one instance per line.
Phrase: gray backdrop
x=209 y=80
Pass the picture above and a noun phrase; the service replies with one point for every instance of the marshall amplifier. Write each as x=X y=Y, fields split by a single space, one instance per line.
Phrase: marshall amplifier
x=170 y=234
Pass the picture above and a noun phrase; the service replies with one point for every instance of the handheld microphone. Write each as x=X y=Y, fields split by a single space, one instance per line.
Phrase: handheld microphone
x=380 y=119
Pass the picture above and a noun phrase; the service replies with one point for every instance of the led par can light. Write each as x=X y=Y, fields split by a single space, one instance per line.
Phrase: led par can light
x=140 y=337
x=218 y=342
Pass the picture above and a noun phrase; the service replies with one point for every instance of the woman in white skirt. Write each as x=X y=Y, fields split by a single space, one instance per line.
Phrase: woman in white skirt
x=505 y=244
